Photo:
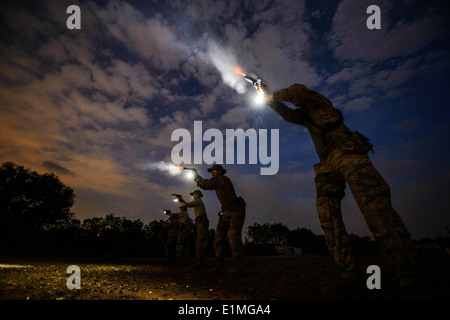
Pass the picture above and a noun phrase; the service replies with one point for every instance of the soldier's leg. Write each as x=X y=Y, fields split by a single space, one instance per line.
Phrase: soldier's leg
x=220 y=237
x=179 y=247
x=182 y=245
x=330 y=188
x=220 y=243
x=372 y=195
x=235 y=233
x=167 y=249
x=202 y=236
x=170 y=247
x=235 y=238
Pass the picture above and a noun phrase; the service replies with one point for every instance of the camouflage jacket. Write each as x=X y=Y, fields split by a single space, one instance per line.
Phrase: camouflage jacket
x=316 y=113
x=198 y=205
x=184 y=217
x=224 y=190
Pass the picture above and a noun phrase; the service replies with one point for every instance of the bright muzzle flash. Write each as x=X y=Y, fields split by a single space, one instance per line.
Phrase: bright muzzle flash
x=188 y=175
x=238 y=71
x=260 y=99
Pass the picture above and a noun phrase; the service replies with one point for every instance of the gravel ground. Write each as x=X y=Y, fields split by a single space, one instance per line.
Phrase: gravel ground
x=264 y=278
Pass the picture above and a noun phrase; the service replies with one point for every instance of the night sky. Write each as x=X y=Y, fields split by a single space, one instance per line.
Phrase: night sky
x=97 y=106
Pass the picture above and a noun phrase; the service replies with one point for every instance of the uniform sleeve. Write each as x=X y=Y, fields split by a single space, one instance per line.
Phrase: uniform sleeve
x=192 y=203
x=208 y=184
x=288 y=114
x=299 y=95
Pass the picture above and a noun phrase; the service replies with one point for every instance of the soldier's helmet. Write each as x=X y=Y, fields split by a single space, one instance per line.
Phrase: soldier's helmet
x=217 y=167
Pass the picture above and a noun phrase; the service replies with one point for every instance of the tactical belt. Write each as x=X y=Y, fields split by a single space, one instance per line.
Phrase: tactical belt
x=235 y=203
x=324 y=155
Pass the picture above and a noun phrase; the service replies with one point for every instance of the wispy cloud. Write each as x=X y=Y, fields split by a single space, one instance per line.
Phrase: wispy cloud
x=94 y=105
x=380 y=63
x=407 y=124
x=351 y=40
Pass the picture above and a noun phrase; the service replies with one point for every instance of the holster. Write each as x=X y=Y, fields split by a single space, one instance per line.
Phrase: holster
x=351 y=141
x=237 y=204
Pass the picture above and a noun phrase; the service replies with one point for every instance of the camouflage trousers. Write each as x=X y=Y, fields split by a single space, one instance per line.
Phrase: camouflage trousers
x=202 y=224
x=184 y=231
x=372 y=195
x=231 y=223
x=171 y=243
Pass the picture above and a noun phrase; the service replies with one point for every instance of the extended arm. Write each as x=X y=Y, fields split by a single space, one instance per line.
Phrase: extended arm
x=288 y=114
x=192 y=203
x=300 y=96
x=208 y=184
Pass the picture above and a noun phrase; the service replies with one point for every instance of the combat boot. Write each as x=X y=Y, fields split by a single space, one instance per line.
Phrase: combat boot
x=219 y=267
x=238 y=266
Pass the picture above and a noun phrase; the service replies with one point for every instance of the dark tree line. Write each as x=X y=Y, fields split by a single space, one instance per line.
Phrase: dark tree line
x=36 y=219
x=30 y=204
x=264 y=238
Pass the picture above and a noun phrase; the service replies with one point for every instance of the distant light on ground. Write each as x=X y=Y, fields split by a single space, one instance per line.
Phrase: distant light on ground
x=13 y=266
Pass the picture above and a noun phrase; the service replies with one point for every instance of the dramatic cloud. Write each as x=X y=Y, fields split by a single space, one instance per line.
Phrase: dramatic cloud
x=378 y=64
x=351 y=40
x=97 y=106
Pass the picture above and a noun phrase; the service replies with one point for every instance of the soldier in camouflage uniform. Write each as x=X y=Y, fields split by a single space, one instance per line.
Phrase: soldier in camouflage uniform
x=172 y=236
x=201 y=223
x=184 y=230
x=232 y=220
x=344 y=158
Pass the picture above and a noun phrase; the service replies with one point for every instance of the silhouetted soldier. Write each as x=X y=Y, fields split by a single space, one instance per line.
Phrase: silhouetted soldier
x=184 y=230
x=172 y=237
x=201 y=223
x=232 y=220
x=344 y=158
